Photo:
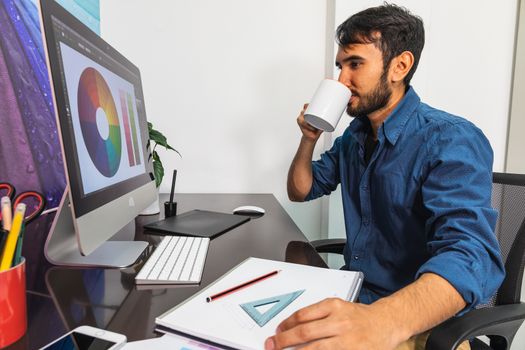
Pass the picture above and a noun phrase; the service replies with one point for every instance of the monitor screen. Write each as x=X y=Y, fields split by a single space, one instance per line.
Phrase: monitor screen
x=104 y=136
x=100 y=94
x=97 y=126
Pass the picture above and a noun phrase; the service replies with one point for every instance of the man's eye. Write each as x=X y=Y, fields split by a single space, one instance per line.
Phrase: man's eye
x=355 y=65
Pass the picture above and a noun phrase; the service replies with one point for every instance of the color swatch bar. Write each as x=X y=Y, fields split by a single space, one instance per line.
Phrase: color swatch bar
x=133 y=130
x=127 y=132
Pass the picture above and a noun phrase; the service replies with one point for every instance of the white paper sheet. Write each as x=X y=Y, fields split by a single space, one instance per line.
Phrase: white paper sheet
x=223 y=321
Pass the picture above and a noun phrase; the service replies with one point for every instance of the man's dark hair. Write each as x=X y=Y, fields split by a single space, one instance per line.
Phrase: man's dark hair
x=398 y=30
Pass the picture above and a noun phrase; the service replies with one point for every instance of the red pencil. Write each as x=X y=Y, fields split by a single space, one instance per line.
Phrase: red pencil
x=241 y=286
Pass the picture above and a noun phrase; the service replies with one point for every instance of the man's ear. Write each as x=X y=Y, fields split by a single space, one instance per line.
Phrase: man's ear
x=400 y=66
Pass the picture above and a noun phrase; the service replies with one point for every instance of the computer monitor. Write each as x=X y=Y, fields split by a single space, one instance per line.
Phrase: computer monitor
x=103 y=132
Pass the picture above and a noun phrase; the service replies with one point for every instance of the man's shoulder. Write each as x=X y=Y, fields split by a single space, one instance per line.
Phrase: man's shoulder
x=435 y=118
x=442 y=128
x=436 y=115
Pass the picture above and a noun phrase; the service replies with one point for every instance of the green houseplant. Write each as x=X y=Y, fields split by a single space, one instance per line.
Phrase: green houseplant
x=158 y=138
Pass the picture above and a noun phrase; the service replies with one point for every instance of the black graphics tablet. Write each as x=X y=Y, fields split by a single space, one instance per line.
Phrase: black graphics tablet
x=198 y=223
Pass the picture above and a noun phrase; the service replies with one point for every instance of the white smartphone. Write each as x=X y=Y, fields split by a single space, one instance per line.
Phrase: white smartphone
x=88 y=338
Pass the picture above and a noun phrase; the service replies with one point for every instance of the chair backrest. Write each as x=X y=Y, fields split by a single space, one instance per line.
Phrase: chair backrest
x=508 y=198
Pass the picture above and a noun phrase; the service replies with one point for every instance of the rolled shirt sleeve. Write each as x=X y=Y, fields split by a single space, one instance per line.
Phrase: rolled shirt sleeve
x=325 y=172
x=462 y=243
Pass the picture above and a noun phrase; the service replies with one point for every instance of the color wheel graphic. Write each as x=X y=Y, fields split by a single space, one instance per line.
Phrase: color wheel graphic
x=94 y=93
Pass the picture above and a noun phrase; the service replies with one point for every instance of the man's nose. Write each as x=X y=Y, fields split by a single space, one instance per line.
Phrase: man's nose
x=344 y=78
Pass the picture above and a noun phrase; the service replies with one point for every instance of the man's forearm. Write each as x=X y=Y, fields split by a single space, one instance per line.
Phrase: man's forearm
x=300 y=173
x=421 y=305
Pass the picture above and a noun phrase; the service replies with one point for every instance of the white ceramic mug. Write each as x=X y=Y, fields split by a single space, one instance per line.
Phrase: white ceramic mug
x=327 y=105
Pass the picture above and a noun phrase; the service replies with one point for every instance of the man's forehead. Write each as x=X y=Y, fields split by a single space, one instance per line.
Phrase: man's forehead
x=365 y=50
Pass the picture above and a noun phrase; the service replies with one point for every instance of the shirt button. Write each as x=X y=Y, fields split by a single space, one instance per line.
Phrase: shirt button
x=365 y=188
x=365 y=221
x=356 y=257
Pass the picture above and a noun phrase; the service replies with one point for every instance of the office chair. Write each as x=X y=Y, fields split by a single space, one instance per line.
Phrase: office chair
x=503 y=315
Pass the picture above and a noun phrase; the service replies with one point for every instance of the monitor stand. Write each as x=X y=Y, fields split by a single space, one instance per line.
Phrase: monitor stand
x=62 y=249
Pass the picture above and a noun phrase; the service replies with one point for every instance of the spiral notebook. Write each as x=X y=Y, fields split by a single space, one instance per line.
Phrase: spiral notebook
x=228 y=321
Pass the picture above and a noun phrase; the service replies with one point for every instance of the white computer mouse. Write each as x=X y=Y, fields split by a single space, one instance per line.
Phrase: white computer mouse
x=249 y=210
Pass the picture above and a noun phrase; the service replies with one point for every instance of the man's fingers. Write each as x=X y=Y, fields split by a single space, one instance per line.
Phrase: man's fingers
x=308 y=130
x=322 y=344
x=304 y=124
x=307 y=314
x=304 y=333
x=311 y=127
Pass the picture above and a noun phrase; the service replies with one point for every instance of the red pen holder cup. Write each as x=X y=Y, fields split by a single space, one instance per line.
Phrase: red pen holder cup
x=13 y=315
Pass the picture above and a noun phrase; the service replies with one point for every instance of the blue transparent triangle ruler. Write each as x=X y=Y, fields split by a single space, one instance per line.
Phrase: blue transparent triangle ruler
x=281 y=302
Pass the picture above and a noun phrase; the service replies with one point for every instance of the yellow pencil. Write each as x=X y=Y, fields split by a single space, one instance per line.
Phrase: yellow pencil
x=10 y=245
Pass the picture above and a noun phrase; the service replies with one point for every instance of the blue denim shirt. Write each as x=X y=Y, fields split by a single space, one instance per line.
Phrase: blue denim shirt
x=421 y=205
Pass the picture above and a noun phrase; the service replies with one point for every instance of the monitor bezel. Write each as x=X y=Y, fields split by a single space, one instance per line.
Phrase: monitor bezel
x=84 y=204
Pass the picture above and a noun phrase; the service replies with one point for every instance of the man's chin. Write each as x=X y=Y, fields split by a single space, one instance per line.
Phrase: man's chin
x=352 y=112
x=353 y=108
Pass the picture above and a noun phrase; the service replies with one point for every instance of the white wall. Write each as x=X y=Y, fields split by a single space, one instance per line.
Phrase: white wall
x=225 y=81
x=515 y=159
x=516 y=143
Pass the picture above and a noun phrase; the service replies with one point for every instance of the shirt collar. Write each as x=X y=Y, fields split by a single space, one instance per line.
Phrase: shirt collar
x=394 y=123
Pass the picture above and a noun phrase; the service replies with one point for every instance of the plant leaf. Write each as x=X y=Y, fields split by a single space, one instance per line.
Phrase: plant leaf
x=159 y=138
x=158 y=171
x=156 y=157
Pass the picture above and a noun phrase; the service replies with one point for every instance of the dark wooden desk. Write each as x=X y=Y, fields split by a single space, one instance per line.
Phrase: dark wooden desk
x=60 y=299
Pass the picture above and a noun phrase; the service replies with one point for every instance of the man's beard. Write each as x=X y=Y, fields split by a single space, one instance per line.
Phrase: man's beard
x=374 y=100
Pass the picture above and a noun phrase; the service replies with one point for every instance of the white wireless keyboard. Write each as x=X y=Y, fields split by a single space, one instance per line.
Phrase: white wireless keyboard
x=177 y=259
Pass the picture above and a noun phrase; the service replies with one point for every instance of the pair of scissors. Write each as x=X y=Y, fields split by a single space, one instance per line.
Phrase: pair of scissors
x=33 y=200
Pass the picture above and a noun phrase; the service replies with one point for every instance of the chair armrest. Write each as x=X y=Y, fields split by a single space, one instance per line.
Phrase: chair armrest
x=503 y=320
x=332 y=245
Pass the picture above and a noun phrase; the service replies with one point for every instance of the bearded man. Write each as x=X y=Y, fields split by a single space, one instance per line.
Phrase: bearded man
x=416 y=188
